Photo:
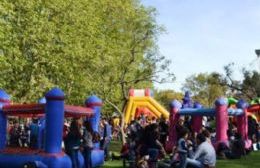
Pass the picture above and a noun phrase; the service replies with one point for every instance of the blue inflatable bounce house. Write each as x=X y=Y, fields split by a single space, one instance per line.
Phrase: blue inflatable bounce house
x=52 y=112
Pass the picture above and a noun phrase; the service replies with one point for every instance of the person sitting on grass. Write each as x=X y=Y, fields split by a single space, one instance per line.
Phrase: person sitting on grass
x=182 y=147
x=205 y=155
x=206 y=133
x=237 y=147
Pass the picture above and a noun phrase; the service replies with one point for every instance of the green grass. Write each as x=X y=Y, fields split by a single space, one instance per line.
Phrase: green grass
x=113 y=164
x=250 y=161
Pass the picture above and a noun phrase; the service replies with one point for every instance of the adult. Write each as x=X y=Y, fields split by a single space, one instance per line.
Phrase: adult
x=163 y=128
x=151 y=139
x=205 y=155
x=34 y=130
x=88 y=144
x=106 y=137
x=252 y=128
x=72 y=143
x=14 y=134
x=207 y=134
x=237 y=147
x=152 y=145
x=179 y=127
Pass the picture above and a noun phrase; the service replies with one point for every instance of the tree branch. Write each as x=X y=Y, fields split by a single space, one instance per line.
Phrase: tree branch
x=114 y=106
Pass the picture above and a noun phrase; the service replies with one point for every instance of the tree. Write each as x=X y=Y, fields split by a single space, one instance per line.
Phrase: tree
x=82 y=46
x=248 y=88
x=136 y=63
x=206 y=88
x=43 y=45
x=165 y=97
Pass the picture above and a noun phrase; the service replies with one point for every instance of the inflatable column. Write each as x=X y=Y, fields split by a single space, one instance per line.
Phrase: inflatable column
x=95 y=103
x=4 y=100
x=54 y=110
x=174 y=117
x=242 y=123
x=242 y=119
x=196 y=120
x=97 y=156
x=221 y=120
x=148 y=92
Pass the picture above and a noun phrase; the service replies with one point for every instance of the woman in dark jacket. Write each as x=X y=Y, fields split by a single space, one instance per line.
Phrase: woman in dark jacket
x=72 y=143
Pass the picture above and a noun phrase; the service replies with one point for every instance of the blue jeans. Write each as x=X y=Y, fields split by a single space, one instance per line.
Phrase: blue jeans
x=153 y=157
x=105 y=144
x=194 y=163
x=183 y=162
x=74 y=158
x=87 y=157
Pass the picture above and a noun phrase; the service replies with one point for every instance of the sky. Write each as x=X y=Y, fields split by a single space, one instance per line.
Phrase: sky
x=205 y=35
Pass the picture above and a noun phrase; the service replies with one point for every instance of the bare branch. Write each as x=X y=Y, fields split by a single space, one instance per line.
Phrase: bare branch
x=113 y=105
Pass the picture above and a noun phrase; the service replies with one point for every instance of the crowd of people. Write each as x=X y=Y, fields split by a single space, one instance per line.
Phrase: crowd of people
x=23 y=134
x=78 y=135
x=146 y=139
x=146 y=142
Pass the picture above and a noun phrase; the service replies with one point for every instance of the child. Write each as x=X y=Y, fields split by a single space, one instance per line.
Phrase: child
x=182 y=147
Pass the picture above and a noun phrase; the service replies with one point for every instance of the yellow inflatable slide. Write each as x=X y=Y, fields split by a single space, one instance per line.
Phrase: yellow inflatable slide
x=142 y=98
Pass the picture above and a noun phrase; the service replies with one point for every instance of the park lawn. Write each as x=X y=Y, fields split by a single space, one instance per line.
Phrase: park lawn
x=250 y=161
x=113 y=164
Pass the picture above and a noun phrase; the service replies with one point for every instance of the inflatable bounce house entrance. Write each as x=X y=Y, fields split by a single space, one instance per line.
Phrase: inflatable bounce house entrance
x=141 y=102
x=50 y=154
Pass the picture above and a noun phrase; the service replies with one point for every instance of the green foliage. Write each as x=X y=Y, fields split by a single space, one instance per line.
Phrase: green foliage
x=206 y=88
x=165 y=97
x=251 y=83
x=82 y=46
x=248 y=88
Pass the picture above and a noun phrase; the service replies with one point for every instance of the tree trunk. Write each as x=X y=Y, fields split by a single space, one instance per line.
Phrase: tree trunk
x=122 y=126
x=122 y=131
